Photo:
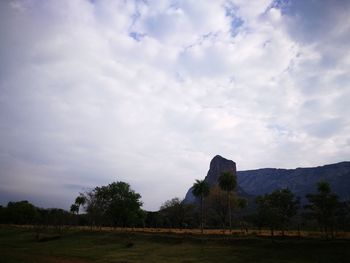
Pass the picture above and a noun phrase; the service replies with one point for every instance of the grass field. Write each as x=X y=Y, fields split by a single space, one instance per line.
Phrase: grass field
x=20 y=245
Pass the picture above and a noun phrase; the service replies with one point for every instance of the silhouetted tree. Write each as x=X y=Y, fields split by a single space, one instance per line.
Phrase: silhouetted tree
x=323 y=207
x=343 y=216
x=21 y=212
x=201 y=189
x=115 y=204
x=217 y=207
x=277 y=208
x=240 y=204
x=228 y=182
x=154 y=219
x=80 y=201
x=122 y=203
x=176 y=213
x=74 y=209
x=2 y=215
x=58 y=218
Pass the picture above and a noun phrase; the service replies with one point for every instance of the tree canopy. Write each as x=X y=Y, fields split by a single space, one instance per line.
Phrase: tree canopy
x=117 y=203
x=200 y=188
x=323 y=207
x=277 y=208
x=227 y=181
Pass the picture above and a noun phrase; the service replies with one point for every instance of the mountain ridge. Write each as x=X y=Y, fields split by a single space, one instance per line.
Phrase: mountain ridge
x=301 y=180
x=308 y=167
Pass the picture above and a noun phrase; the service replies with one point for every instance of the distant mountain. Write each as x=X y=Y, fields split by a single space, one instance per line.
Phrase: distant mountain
x=300 y=180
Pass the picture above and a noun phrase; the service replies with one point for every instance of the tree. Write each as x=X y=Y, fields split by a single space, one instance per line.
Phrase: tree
x=74 y=209
x=21 y=212
x=115 y=204
x=201 y=189
x=3 y=215
x=122 y=204
x=277 y=208
x=217 y=204
x=174 y=212
x=228 y=182
x=154 y=219
x=323 y=207
x=58 y=218
x=343 y=213
x=80 y=201
x=94 y=208
x=242 y=203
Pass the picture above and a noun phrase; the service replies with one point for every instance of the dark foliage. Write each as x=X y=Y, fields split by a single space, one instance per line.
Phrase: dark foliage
x=115 y=204
x=275 y=210
x=176 y=214
x=325 y=208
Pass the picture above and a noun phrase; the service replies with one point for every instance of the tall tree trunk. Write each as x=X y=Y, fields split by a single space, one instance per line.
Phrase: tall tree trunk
x=202 y=214
x=229 y=210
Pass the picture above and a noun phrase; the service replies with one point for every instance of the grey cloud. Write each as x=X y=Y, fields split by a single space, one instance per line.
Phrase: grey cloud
x=314 y=21
x=325 y=25
x=325 y=128
x=83 y=104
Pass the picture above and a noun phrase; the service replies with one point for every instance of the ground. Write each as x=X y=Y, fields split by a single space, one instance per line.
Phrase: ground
x=80 y=246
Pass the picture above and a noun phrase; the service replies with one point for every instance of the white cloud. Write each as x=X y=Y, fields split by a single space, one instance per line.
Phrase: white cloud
x=148 y=92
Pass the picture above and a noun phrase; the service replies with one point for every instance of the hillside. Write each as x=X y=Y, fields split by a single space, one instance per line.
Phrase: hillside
x=300 y=180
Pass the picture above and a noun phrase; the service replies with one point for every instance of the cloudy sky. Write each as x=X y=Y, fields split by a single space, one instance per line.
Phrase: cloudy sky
x=149 y=91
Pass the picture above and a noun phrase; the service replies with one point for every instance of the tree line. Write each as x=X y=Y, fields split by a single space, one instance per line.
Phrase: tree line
x=25 y=213
x=118 y=205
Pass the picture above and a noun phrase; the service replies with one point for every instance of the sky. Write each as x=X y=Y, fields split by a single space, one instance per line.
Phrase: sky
x=149 y=91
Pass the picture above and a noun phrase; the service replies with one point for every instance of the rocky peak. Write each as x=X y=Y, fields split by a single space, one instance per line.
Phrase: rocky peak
x=218 y=165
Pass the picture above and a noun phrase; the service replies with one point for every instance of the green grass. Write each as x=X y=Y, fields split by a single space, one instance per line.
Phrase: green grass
x=19 y=245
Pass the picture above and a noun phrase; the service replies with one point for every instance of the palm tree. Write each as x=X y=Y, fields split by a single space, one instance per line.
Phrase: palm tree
x=201 y=189
x=74 y=209
x=80 y=201
x=227 y=182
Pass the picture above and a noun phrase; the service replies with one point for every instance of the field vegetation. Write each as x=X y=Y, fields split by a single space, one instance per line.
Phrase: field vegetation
x=20 y=244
